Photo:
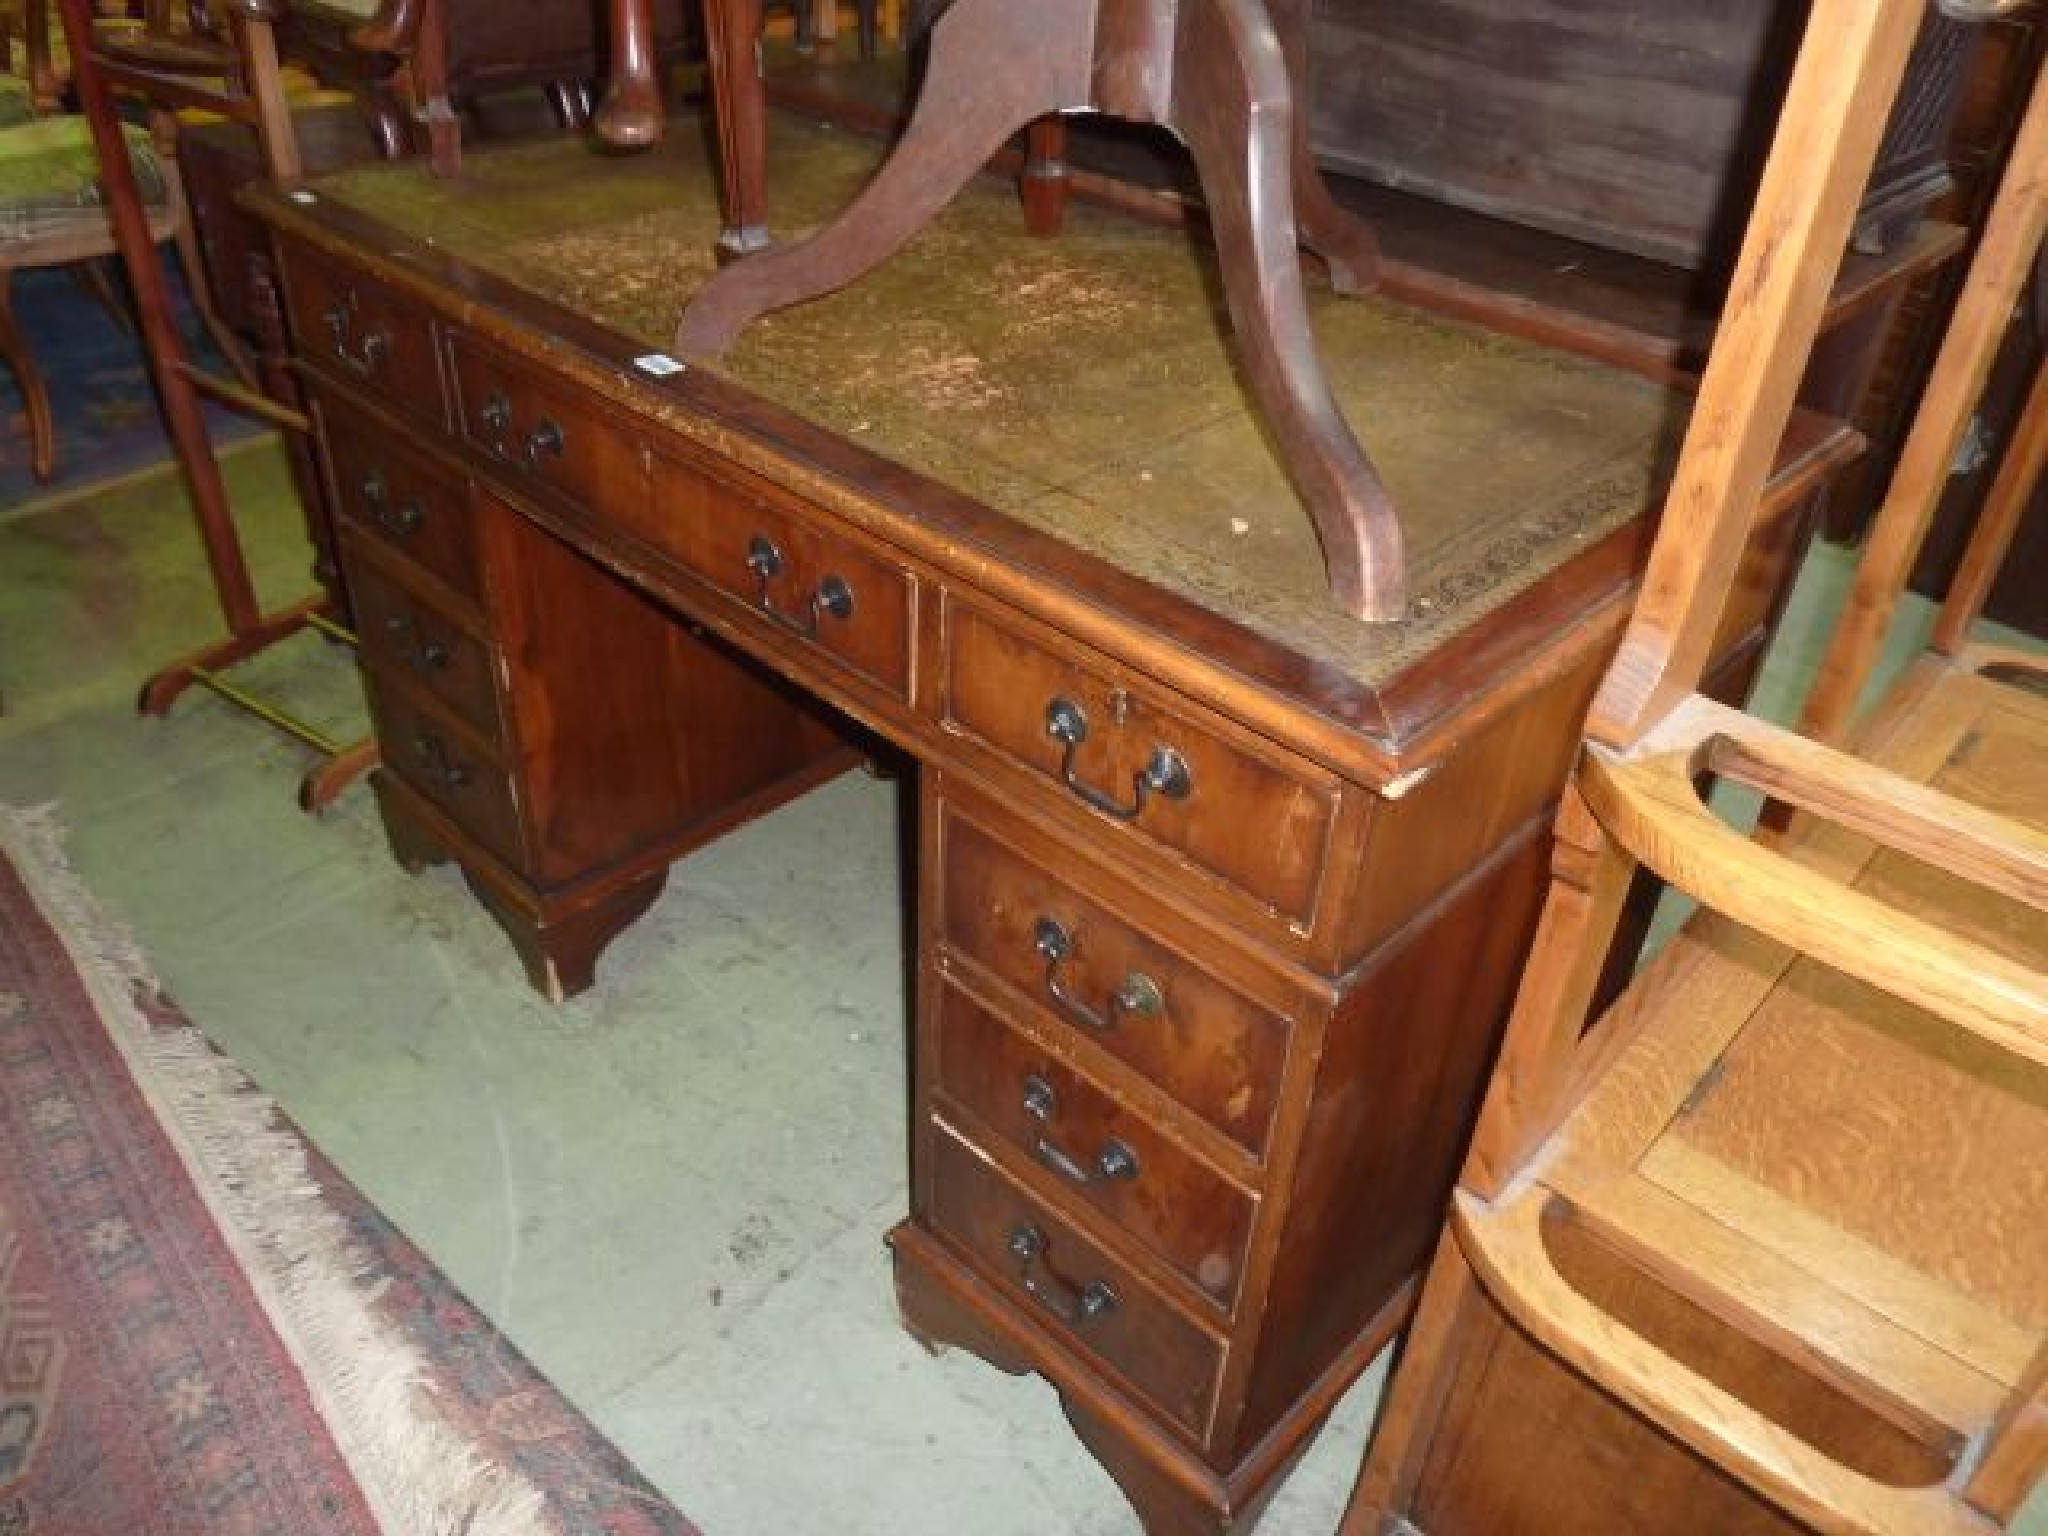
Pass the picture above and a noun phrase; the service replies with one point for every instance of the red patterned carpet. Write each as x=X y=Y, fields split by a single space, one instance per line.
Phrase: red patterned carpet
x=203 y=1327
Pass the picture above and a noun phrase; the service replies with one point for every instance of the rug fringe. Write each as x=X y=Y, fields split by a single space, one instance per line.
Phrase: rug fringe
x=421 y=1478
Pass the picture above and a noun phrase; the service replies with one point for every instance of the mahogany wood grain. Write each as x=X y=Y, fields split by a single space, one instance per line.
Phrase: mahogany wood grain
x=1006 y=689
x=1023 y=1098
x=545 y=436
x=848 y=601
x=1209 y=1047
x=1047 y=1268
x=400 y=497
x=402 y=630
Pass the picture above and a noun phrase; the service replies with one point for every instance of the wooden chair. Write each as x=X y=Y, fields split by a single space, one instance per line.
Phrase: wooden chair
x=246 y=87
x=417 y=61
x=1763 y=1247
x=52 y=214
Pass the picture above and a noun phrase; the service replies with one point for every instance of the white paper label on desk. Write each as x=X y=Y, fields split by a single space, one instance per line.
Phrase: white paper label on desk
x=659 y=365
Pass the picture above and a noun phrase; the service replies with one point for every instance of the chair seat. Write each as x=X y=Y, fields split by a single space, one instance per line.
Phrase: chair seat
x=49 y=176
x=1779 y=1146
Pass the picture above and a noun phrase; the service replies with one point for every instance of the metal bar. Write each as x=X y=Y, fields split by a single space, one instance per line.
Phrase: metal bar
x=267 y=712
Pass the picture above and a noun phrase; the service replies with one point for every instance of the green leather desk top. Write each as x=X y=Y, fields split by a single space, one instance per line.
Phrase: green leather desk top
x=1085 y=385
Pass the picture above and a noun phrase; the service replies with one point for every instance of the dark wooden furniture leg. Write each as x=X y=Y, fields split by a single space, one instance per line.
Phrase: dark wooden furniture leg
x=740 y=111
x=632 y=116
x=1043 y=186
x=1217 y=75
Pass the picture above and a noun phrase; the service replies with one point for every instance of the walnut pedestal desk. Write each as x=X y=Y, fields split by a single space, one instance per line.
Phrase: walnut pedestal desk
x=1221 y=894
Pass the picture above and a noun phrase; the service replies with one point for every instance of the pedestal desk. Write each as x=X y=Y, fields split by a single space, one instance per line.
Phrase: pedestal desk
x=1221 y=894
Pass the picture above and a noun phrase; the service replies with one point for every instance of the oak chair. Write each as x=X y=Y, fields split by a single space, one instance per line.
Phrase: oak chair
x=1763 y=1247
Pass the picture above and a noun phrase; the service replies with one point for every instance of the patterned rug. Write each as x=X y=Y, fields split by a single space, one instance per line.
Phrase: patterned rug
x=108 y=424
x=203 y=1327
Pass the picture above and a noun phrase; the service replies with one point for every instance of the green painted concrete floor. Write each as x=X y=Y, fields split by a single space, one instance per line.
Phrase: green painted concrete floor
x=669 y=1192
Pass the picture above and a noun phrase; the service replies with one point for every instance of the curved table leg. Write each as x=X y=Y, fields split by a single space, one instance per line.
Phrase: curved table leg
x=966 y=111
x=1231 y=107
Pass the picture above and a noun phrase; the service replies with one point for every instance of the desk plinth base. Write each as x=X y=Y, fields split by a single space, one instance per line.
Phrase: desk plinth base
x=558 y=940
x=1174 y=1490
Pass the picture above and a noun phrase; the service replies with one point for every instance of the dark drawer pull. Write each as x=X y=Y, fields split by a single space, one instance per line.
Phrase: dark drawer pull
x=421 y=653
x=1071 y=1304
x=545 y=441
x=497 y=411
x=833 y=598
x=1116 y=1160
x=401 y=521
x=432 y=755
x=1139 y=994
x=364 y=356
x=1165 y=773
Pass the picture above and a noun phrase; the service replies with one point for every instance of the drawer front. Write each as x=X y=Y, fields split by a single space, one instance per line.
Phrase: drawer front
x=1170 y=1201
x=1206 y=1045
x=355 y=329
x=1144 y=763
x=544 y=433
x=1070 y=1286
x=839 y=597
x=441 y=763
x=401 y=633
x=400 y=499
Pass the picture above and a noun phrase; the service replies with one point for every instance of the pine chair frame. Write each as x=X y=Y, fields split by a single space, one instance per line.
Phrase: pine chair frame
x=1635 y=801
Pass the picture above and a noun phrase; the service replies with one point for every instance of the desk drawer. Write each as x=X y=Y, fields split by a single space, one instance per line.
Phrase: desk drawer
x=1070 y=1286
x=544 y=433
x=1208 y=1046
x=443 y=763
x=1105 y=1155
x=400 y=499
x=401 y=633
x=1142 y=763
x=837 y=595
x=357 y=330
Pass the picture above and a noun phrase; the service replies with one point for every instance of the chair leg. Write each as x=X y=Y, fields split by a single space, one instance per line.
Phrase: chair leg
x=96 y=278
x=35 y=395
